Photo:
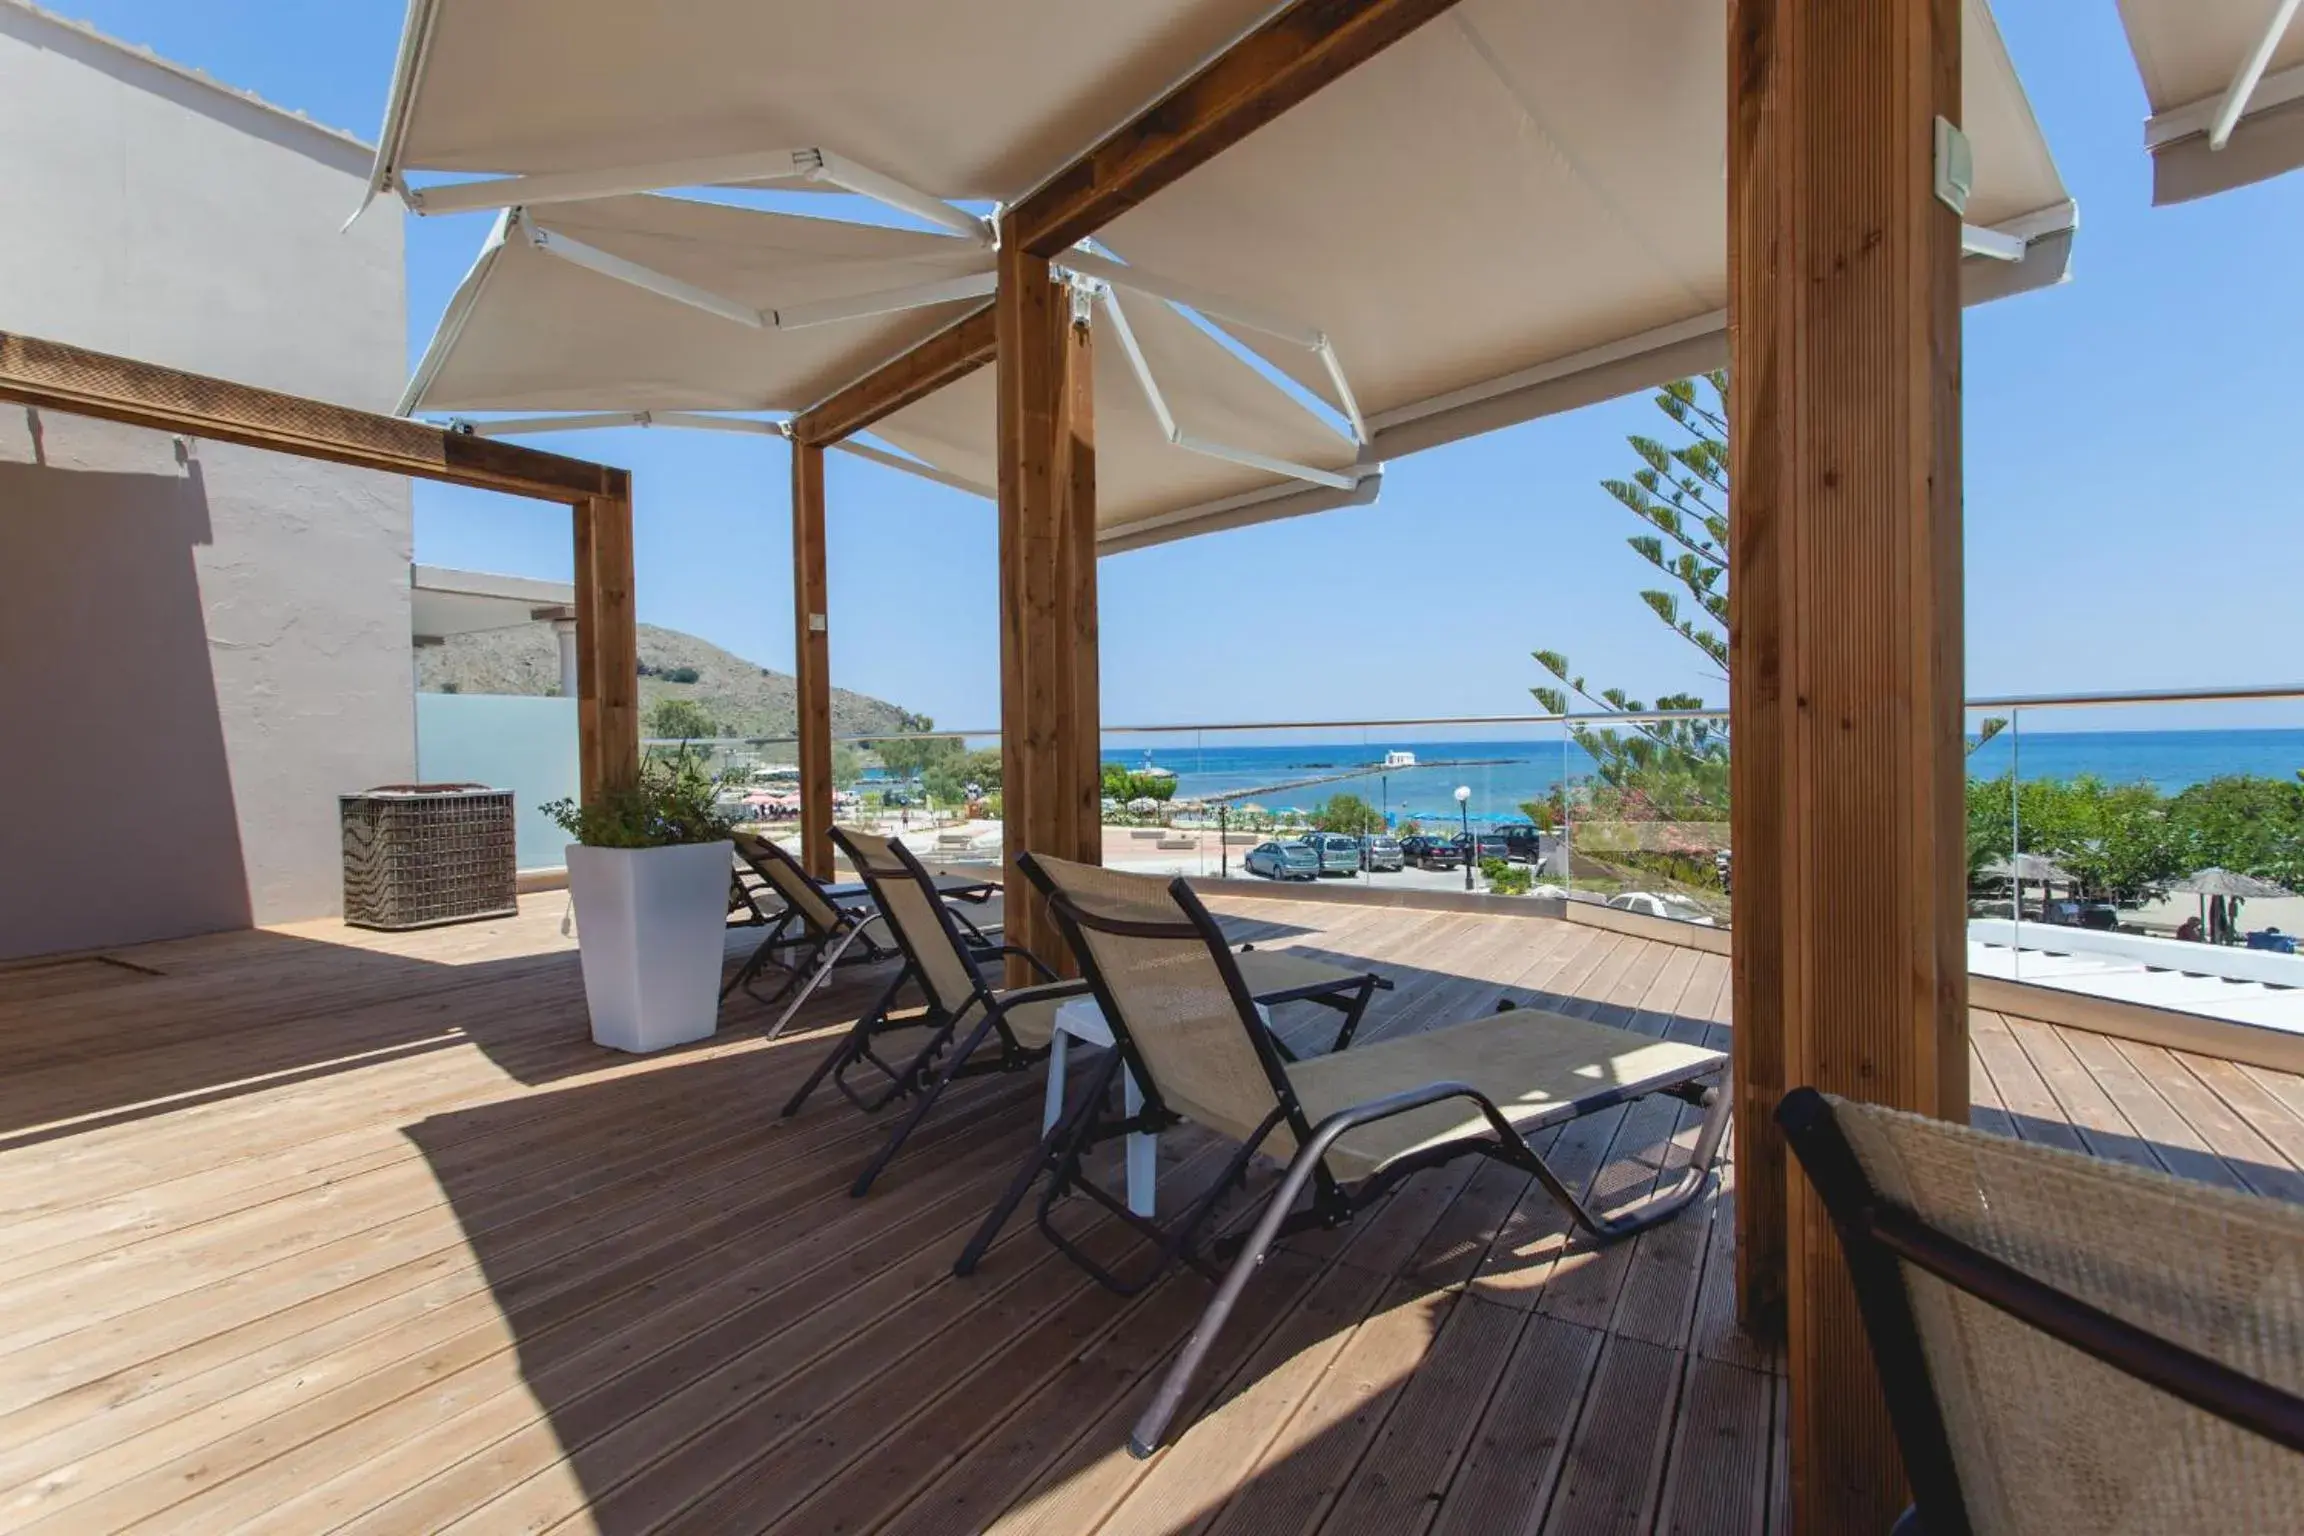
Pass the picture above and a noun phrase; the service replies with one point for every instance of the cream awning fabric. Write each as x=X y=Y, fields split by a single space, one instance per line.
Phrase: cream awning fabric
x=1150 y=490
x=978 y=100
x=1552 y=224
x=531 y=330
x=2195 y=55
x=1517 y=210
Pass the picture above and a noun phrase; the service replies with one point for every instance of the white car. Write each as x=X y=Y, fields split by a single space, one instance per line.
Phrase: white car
x=1663 y=904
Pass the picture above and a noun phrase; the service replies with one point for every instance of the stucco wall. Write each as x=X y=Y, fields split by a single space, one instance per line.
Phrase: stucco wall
x=200 y=645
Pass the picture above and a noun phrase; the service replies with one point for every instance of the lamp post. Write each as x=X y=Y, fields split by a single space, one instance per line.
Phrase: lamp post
x=1464 y=815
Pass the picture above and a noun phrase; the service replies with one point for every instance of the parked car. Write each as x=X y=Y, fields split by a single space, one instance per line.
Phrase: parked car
x=1380 y=852
x=1490 y=846
x=2081 y=914
x=1282 y=861
x=1663 y=904
x=1338 y=854
x=1523 y=842
x=1427 y=852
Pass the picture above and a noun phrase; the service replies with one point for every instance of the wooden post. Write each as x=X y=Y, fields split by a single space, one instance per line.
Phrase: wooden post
x=1048 y=742
x=608 y=645
x=811 y=649
x=1076 y=563
x=1845 y=633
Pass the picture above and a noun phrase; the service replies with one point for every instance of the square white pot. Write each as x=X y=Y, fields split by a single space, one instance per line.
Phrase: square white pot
x=652 y=927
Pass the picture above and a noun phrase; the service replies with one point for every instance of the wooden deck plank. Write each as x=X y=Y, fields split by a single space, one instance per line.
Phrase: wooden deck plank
x=1717 y=1482
x=324 y=1230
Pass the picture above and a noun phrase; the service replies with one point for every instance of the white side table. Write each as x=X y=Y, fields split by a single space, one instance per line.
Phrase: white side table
x=1081 y=1019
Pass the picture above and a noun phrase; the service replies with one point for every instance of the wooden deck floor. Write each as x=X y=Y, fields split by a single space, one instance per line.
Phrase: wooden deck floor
x=313 y=1231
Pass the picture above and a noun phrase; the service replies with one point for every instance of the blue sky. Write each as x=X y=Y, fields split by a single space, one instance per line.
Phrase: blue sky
x=2132 y=518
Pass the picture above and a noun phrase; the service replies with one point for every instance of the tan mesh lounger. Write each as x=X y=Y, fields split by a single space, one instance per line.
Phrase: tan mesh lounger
x=1352 y=1124
x=800 y=915
x=2067 y=1344
x=835 y=928
x=939 y=954
x=1271 y=978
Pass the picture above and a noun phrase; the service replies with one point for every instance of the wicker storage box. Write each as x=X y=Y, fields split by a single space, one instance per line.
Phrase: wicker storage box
x=419 y=854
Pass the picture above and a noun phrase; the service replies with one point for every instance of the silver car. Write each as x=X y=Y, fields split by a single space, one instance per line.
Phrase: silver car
x=1338 y=854
x=1282 y=861
x=1381 y=852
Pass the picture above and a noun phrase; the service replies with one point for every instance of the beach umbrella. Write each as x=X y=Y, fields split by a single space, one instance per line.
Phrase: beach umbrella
x=2226 y=888
x=2218 y=881
x=1143 y=805
x=2028 y=866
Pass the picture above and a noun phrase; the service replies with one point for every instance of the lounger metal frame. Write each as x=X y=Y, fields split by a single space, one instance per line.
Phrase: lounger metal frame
x=825 y=948
x=1878 y=1235
x=922 y=1076
x=1334 y=1201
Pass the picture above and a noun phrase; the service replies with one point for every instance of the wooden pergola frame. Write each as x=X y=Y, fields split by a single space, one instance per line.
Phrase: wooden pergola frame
x=1845 y=622
x=50 y=375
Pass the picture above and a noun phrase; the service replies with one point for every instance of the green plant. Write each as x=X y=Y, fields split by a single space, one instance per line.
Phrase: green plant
x=673 y=803
x=1122 y=783
x=1349 y=814
x=1506 y=879
x=681 y=720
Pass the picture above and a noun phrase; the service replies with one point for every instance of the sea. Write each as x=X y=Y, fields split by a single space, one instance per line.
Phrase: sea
x=1503 y=774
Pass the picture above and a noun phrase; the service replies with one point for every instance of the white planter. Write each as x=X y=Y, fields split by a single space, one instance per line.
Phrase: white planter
x=652 y=926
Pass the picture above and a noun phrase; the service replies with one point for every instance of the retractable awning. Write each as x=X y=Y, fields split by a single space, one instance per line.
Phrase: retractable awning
x=650 y=309
x=2225 y=79
x=1515 y=210
x=664 y=303
x=1550 y=229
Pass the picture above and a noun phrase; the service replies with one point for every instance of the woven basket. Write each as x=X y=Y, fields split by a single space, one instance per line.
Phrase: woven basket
x=420 y=854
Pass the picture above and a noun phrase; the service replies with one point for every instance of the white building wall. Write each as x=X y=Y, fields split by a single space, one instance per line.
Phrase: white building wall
x=200 y=645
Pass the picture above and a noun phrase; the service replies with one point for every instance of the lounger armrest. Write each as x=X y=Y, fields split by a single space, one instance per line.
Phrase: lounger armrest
x=1351 y=1117
x=1025 y=955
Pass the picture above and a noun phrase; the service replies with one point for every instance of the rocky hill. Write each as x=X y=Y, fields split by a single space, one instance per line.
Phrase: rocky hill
x=742 y=697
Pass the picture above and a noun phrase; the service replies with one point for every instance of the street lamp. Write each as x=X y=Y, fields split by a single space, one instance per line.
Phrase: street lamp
x=1464 y=814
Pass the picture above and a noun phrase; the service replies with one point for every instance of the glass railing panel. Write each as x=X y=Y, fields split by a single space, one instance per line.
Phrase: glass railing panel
x=937 y=791
x=1155 y=821
x=523 y=743
x=1646 y=809
x=2157 y=855
x=1284 y=803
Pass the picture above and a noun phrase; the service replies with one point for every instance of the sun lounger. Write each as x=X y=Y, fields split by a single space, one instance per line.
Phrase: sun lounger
x=1271 y=978
x=1017 y=1023
x=826 y=926
x=801 y=916
x=2066 y=1343
x=1351 y=1124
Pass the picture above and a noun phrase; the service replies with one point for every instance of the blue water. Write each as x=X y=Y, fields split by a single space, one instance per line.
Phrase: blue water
x=1509 y=772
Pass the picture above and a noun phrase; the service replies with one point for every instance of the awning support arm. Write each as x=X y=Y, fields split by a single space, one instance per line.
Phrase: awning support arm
x=587 y=421
x=1201 y=445
x=811 y=164
x=615 y=181
x=913 y=467
x=2276 y=89
x=2251 y=71
x=1218 y=306
x=943 y=290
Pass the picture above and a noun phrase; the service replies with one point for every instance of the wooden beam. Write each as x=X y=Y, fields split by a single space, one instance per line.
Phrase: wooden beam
x=52 y=376
x=1304 y=47
x=952 y=353
x=812 y=650
x=1048 y=725
x=608 y=648
x=1844 y=328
